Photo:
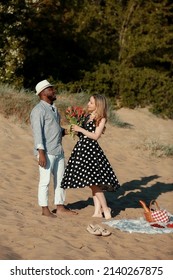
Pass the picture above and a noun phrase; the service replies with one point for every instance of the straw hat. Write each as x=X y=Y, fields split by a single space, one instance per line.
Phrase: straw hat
x=41 y=86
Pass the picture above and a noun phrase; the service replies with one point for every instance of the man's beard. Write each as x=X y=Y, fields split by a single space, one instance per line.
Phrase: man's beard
x=51 y=98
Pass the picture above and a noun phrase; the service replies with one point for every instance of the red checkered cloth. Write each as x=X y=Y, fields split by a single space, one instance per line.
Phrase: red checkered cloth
x=160 y=216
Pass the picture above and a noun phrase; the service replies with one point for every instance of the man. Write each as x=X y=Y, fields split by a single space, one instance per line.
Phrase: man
x=47 y=132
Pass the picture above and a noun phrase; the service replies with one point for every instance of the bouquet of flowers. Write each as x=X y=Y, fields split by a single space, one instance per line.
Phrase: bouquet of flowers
x=75 y=115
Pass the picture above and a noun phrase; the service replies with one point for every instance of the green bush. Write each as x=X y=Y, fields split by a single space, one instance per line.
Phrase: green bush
x=146 y=87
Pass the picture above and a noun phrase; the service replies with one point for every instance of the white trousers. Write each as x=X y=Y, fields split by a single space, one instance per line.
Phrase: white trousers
x=55 y=166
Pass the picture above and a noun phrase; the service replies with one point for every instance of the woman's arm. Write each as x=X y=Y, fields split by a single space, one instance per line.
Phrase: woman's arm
x=93 y=135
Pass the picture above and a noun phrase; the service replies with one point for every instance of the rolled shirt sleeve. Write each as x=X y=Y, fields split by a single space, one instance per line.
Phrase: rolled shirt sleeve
x=46 y=129
x=37 y=123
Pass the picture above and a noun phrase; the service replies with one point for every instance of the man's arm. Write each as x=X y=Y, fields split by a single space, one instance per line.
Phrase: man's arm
x=37 y=123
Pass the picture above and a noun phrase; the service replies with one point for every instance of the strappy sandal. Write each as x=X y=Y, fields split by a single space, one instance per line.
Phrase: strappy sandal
x=94 y=230
x=104 y=231
x=98 y=230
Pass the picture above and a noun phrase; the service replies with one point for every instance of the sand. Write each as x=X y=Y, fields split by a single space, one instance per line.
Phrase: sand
x=27 y=235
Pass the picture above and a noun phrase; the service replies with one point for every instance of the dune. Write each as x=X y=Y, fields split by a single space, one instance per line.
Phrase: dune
x=27 y=235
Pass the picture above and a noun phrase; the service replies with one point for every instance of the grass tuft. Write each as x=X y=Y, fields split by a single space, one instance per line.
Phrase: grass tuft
x=157 y=149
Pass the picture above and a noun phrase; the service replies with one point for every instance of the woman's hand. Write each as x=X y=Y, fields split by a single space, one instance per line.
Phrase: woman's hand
x=76 y=128
x=93 y=135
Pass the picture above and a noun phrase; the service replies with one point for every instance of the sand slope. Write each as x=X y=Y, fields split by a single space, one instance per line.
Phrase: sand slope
x=25 y=234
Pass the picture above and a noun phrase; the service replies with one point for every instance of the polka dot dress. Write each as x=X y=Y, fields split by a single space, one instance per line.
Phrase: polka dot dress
x=88 y=166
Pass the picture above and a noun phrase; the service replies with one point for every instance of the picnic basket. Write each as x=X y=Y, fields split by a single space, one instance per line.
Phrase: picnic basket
x=153 y=213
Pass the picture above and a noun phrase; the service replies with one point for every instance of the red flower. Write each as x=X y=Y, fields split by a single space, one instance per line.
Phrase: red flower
x=75 y=115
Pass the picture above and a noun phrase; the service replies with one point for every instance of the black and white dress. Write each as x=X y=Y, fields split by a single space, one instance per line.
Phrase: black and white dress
x=88 y=165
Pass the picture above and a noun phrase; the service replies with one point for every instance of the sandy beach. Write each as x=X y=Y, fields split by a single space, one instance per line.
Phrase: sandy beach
x=27 y=235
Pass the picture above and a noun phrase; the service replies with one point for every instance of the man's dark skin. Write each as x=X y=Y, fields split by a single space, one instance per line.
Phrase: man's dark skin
x=49 y=95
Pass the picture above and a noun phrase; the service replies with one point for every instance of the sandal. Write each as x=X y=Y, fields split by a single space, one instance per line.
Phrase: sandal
x=98 y=230
x=104 y=231
x=94 y=230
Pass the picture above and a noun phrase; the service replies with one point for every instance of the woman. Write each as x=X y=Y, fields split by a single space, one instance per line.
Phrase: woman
x=87 y=165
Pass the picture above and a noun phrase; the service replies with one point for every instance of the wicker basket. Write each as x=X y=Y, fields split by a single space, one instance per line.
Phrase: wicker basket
x=148 y=210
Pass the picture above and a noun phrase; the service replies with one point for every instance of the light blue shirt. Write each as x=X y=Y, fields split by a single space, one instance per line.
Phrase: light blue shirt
x=46 y=129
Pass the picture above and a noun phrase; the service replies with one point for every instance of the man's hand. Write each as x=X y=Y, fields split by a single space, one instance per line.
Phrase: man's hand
x=42 y=158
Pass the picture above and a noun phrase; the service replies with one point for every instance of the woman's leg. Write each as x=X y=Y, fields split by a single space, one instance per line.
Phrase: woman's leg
x=100 y=203
x=97 y=205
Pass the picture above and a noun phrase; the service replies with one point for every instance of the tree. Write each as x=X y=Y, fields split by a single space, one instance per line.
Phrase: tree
x=122 y=48
x=12 y=41
x=146 y=58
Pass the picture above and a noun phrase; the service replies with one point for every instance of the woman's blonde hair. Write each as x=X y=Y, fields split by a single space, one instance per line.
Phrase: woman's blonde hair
x=101 y=107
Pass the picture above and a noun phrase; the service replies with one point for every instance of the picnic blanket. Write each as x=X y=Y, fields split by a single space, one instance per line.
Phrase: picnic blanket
x=140 y=226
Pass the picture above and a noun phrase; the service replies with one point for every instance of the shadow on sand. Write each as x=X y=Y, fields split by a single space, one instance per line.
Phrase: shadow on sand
x=129 y=194
x=6 y=253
